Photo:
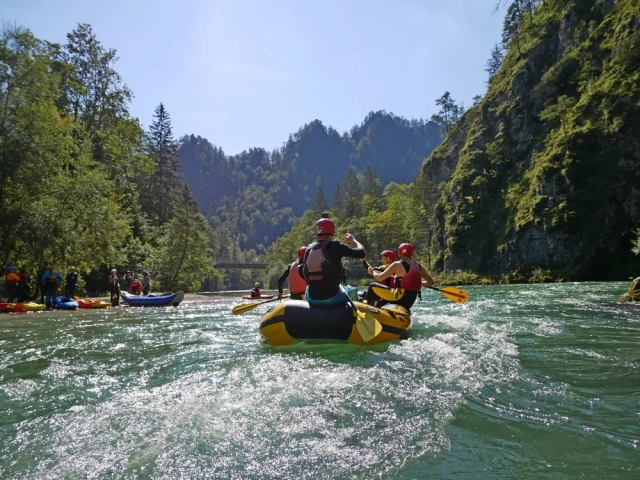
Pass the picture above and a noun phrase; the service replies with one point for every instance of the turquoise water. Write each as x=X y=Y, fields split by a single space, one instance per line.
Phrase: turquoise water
x=523 y=381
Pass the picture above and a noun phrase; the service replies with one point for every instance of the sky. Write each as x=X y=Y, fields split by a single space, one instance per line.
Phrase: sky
x=247 y=73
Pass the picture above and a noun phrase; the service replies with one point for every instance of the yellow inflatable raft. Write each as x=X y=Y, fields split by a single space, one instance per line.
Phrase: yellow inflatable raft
x=296 y=320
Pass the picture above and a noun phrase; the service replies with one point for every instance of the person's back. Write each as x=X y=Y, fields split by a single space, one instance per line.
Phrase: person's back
x=146 y=282
x=323 y=263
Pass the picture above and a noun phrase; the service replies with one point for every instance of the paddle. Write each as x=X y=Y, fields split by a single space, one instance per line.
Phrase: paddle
x=247 y=307
x=368 y=326
x=453 y=294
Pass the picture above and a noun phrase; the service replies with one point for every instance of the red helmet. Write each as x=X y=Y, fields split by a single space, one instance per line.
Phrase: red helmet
x=324 y=226
x=301 y=252
x=405 y=250
x=390 y=255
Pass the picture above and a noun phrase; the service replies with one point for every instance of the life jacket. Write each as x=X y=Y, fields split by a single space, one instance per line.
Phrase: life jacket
x=11 y=279
x=412 y=280
x=316 y=266
x=52 y=278
x=255 y=292
x=297 y=284
x=135 y=287
x=24 y=277
x=390 y=282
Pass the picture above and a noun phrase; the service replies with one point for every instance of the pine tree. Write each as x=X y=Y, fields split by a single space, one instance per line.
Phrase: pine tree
x=320 y=204
x=450 y=112
x=338 y=200
x=352 y=195
x=373 y=190
x=165 y=182
x=494 y=63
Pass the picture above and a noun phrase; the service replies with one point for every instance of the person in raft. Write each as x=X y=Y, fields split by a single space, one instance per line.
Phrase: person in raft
x=135 y=288
x=323 y=264
x=71 y=282
x=255 y=291
x=387 y=258
x=11 y=280
x=408 y=284
x=297 y=283
x=114 y=288
x=146 y=282
x=50 y=281
x=128 y=277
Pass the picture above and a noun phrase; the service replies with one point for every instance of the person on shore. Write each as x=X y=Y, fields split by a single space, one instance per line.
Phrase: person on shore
x=114 y=288
x=297 y=282
x=146 y=282
x=11 y=280
x=135 y=288
x=323 y=268
x=71 y=282
x=50 y=282
x=255 y=291
x=128 y=277
x=24 y=290
x=409 y=283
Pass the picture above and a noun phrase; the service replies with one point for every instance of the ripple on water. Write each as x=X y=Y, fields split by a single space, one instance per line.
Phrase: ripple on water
x=191 y=393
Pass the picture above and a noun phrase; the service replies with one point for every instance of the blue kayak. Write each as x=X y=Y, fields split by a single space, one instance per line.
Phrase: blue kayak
x=153 y=300
x=66 y=303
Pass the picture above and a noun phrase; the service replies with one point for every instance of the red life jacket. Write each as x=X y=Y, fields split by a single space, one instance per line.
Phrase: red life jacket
x=135 y=287
x=412 y=280
x=297 y=284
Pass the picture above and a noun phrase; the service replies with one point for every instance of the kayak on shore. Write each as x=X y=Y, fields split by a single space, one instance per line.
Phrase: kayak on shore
x=21 y=307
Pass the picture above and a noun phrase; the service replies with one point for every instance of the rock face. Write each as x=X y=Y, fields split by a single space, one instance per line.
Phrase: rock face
x=545 y=171
x=633 y=295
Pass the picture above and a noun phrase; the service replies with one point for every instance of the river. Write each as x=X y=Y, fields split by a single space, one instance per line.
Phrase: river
x=524 y=381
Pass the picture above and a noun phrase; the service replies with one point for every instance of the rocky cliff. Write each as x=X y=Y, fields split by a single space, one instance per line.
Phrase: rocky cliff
x=545 y=172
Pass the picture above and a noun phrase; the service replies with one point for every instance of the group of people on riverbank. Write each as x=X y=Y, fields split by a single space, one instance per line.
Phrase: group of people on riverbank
x=316 y=276
x=133 y=285
x=18 y=285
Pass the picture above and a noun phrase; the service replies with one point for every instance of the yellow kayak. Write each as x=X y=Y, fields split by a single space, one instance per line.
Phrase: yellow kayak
x=21 y=307
x=87 y=303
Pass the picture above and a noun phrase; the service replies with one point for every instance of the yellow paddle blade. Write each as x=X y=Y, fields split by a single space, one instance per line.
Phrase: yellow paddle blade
x=247 y=307
x=368 y=327
x=238 y=309
x=455 y=294
x=388 y=295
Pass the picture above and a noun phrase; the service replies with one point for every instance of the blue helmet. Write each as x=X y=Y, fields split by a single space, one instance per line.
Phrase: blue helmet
x=11 y=269
x=143 y=272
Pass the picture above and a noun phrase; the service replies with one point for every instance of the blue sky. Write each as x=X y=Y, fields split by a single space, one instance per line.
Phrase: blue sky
x=247 y=73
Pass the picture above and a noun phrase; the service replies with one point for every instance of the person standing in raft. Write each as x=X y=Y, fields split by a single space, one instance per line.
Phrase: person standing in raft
x=146 y=282
x=50 y=281
x=24 y=290
x=255 y=291
x=297 y=282
x=114 y=288
x=408 y=286
x=323 y=264
x=11 y=281
x=71 y=282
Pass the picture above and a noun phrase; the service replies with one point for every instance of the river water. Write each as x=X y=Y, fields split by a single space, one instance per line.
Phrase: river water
x=524 y=381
